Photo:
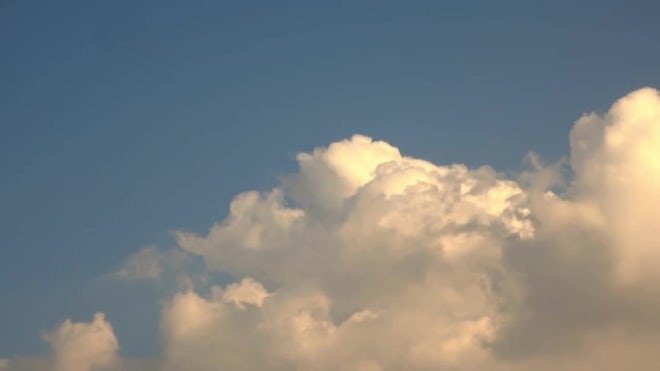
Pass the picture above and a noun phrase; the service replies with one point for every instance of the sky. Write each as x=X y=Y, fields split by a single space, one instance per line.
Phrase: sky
x=130 y=132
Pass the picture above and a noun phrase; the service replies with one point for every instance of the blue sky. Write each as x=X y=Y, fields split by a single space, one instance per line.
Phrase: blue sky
x=122 y=121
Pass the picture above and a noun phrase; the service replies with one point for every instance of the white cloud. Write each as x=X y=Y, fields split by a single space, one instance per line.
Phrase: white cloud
x=617 y=162
x=396 y=249
x=592 y=262
x=80 y=346
x=248 y=291
x=370 y=260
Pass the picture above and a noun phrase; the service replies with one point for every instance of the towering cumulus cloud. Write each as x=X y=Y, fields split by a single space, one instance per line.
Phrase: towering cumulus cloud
x=388 y=262
x=366 y=259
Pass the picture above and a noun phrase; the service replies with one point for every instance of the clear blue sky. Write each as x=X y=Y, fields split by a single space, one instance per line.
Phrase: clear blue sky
x=122 y=120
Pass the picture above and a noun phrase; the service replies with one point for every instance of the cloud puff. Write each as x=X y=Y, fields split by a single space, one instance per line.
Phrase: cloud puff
x=617 y=163
x=150 y=264
x=83 y=346
x=366 y=259
x=592 y=262
x=147 y=264
x=395 y=248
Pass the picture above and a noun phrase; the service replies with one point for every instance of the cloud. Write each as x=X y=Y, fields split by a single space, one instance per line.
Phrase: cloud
x=366 y=259
x=83 y=346
x=397 y=249
x=80 y=346
x=144 y=265
x=150 y=263
x=617 y=162
x=591 y=264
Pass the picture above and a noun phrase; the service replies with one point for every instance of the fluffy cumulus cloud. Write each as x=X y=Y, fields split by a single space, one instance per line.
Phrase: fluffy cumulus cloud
x=83 y=346
x=366 y=259
x=75 y=346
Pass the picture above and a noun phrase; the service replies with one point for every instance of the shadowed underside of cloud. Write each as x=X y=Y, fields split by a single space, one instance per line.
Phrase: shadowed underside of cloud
x=366 y=259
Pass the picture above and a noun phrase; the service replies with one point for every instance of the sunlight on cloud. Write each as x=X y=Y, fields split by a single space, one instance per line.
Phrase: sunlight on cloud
x=366 y=259
x=79 y=346
x=617 y=161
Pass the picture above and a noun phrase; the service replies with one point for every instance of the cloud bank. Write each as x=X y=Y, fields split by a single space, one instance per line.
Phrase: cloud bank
x=366 y=259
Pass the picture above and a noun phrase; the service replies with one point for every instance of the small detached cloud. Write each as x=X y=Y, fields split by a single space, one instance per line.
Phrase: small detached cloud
x=146 y=264
x=366 y=259
x=151 y=264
